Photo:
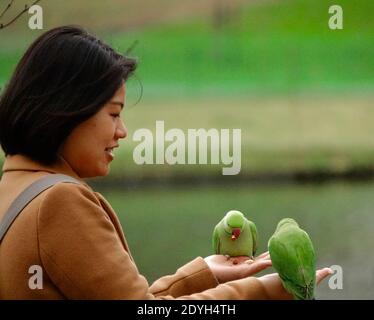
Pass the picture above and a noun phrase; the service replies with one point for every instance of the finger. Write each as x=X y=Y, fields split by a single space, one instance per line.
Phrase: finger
x=263 y=260
x=239 y=259
x=322 y=274
x=259 y=266
x=267 y=256
x=263 y=254
x=249 y=261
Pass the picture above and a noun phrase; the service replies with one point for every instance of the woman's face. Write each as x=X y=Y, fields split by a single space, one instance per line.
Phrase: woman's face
x=89 y=147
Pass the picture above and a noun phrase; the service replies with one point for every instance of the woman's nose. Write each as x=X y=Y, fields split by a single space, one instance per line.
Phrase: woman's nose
x=121 y=130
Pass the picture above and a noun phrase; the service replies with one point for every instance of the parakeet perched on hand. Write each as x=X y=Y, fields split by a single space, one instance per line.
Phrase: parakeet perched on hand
x=235 y=236
x=292 y=254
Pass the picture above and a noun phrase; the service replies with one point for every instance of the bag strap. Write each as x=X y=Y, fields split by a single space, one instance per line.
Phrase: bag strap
x=29 y=194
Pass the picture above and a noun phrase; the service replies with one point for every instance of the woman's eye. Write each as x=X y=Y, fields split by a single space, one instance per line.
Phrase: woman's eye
x=115 y=115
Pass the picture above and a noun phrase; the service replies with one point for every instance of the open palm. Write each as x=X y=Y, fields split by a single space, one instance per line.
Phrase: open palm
x=231 y=268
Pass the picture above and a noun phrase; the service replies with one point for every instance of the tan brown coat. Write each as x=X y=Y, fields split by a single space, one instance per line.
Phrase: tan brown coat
x=75 y=236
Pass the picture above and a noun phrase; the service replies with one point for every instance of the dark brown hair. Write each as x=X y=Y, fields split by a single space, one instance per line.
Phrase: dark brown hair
x=64 y=78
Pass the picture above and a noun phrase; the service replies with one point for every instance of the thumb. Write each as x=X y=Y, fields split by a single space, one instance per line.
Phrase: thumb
x=322 y=274
x=260 y=265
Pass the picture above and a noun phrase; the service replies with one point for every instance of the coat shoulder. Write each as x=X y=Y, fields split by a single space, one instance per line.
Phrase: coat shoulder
x=63 y=192
x=68 y=202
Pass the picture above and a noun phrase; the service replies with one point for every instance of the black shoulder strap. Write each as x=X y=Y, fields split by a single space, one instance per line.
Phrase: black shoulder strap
x=29 y=194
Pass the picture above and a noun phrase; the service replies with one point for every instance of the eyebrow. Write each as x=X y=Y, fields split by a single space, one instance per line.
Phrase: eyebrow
x=117 y=103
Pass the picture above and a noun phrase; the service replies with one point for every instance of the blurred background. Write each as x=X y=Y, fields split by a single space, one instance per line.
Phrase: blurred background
x=302 y=95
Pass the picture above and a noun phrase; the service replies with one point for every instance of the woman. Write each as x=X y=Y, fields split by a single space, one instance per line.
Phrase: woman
x=60 y=113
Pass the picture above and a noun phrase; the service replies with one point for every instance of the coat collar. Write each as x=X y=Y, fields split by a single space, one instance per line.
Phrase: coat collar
x=20 y=162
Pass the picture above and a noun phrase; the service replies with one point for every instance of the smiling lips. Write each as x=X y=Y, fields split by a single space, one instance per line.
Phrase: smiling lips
x=109 y=152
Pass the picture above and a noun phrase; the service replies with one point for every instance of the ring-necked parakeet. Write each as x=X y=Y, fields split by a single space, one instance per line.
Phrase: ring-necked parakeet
x=235 y=236
x=292 y=254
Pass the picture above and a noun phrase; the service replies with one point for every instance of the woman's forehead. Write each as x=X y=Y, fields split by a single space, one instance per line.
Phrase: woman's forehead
x=121 y=90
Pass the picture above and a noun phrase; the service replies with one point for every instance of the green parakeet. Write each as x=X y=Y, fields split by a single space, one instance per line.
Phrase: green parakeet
x=235 y=236
x=292 y=254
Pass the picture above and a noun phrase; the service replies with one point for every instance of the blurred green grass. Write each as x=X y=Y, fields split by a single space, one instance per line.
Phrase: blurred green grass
x=278 y=47
x=338 y=218
x=282 y=47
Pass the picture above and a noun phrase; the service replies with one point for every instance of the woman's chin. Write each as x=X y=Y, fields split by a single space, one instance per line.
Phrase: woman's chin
x=103 y=171
x=98 y=172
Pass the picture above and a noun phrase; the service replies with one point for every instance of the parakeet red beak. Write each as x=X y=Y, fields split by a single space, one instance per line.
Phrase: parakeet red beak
x=235 y=234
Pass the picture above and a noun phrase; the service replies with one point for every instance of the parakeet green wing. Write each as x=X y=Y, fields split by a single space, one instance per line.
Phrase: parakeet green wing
x=253 y=229
x=216 y=241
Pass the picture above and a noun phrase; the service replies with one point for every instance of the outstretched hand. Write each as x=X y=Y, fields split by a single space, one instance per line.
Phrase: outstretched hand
x=231 y=268
x=275 y=290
